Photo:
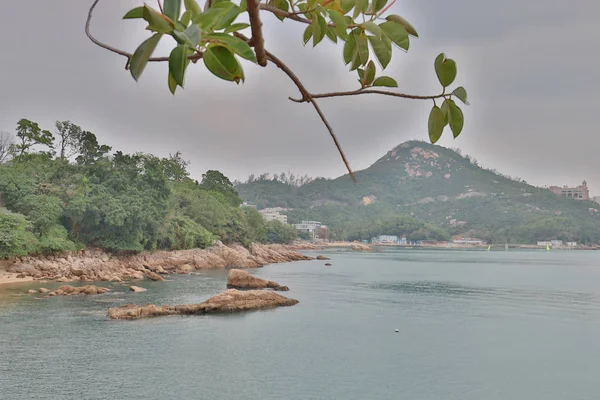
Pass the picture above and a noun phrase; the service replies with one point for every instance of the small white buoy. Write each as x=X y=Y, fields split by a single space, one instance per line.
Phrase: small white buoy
x=397 y=330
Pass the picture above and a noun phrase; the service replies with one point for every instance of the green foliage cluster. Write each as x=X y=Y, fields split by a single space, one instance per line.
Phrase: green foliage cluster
x=366 y=29
x=122 y=202
x=436 y=186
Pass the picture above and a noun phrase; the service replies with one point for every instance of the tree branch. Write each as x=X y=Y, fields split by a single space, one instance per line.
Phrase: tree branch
x=307 y=96
x=257 y=40
x=295 y=15
x=194 y=57
x=368 y=91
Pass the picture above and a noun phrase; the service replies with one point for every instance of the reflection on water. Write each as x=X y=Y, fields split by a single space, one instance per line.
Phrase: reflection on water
x=472 y=325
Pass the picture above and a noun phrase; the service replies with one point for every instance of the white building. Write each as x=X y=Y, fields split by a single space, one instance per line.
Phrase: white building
x=544 y=243
x=572 y=244
x=270 y=215
x=385 y=239
x=467 y=241
x=556 y=243
x=310 y=227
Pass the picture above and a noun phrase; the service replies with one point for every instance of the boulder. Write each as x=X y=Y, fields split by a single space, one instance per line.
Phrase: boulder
x=239 y=279
x=231 y=300
x=31 y=291
x=185 y=269
x=137 y=289
x=323 y=258
x=43 y=290
x=137 y=275
x=153 y=276
x=76 y=271
x=328 y=264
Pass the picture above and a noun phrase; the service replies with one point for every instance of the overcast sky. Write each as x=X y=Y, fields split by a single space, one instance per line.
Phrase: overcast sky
x=530 y=67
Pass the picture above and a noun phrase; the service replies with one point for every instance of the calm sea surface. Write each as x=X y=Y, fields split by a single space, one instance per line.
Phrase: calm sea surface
x=472 y=325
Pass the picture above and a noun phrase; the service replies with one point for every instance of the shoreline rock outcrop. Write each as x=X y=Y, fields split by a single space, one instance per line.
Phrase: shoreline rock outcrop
x=68 y=290
x=239 y=279
x=96 y=265
x=231 y=300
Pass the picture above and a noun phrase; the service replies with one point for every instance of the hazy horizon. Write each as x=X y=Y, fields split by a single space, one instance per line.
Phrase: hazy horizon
x=527 y=69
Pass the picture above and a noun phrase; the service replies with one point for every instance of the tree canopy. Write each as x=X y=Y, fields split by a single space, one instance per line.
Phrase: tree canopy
x=211 y=31
x=118 y=202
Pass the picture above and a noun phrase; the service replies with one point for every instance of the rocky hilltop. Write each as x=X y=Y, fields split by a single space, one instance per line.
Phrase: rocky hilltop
x=433 y=187
x=96 y=265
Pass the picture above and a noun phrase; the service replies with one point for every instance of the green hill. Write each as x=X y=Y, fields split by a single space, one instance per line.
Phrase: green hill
x=432 y=190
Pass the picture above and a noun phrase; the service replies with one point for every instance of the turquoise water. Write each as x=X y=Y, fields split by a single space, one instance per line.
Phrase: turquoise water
x=472 y=325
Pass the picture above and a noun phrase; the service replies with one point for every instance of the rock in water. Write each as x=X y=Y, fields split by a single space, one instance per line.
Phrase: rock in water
x=323 y=258
x=239 y=279
x=137 y=289
x=231 y=300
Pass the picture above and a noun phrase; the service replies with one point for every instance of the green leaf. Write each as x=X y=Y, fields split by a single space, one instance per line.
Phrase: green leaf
x=362 y=48
x=436 y=124
x=230 y=15
x=140 y=56
x=340 y=23
x=396 y=33
x=369 y=73
x=461 y=94
x=193 y=32
x=223 y=64
x=172 y=9
x=445 y=110
x=134 y=13
x=456 y=118
x=373 y=28
x=219 y=16
x=361 y=74
x=192 y=7
x=244 y=5
x=234 y=44
x=236 y=27
x=186 y=17
x=349 y=49
x=385 y=81
x=445 y=69
x=280 y=4
x=157 y=22
x=191 y=36
x=378 y=5
x=177 y=63
x=331 y=34
x=399 y=20
x=308 y=32
x=347 y=5
x=382 y=49
x=172 y=84
x=361 y=6
x=319 y=29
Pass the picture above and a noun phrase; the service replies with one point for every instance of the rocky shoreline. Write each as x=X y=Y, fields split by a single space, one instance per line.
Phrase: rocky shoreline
x=95 y=265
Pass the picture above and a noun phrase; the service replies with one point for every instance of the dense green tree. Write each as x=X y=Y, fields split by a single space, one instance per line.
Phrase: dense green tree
x=215 y=181
x=29 y=135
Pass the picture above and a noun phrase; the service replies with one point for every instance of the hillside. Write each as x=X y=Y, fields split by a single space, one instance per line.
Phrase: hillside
x=435 y=185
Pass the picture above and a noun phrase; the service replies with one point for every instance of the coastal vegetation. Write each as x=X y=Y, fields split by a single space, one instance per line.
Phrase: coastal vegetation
x=430 y=192
x=65 y=191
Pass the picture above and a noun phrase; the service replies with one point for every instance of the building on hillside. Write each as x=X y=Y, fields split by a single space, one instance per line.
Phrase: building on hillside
x=467 y=241
x=385 y=239
x=315 y=229
x=571 y=244
x=580 y=192
x=270 y=215
x=556 y=243
x=544 y=243
x=246 y=204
